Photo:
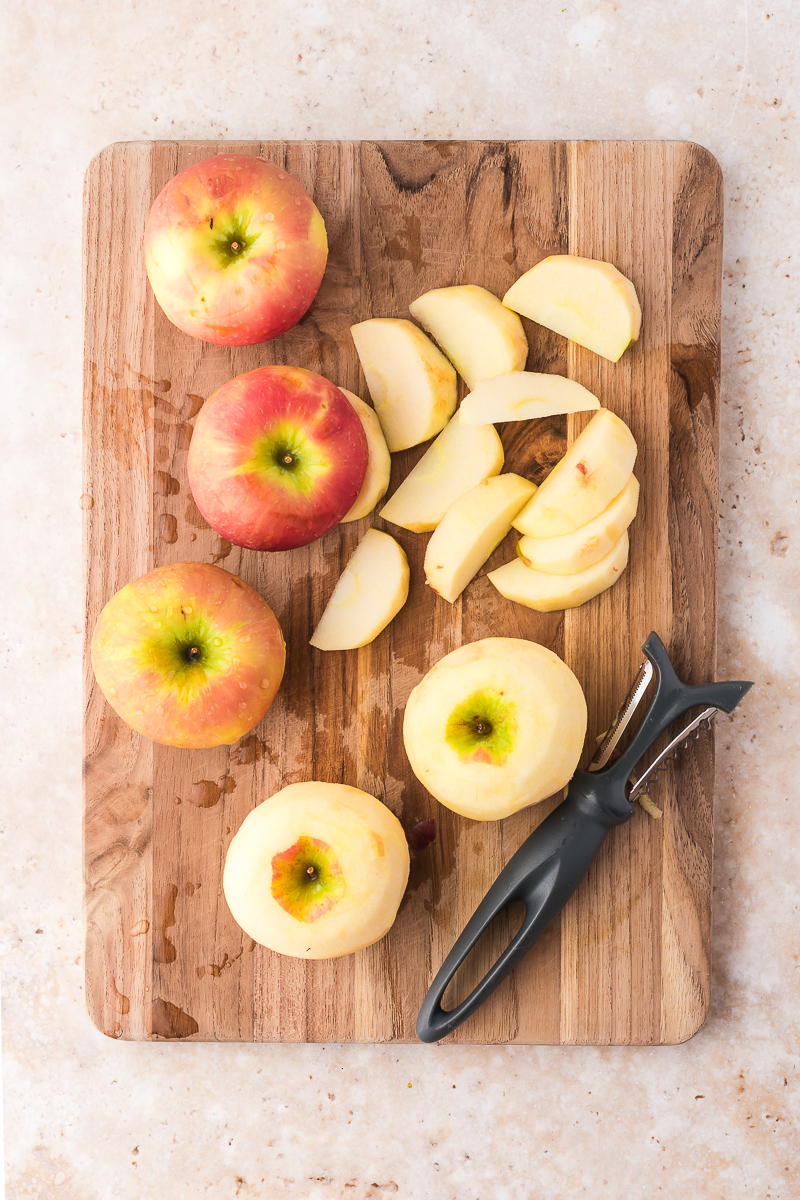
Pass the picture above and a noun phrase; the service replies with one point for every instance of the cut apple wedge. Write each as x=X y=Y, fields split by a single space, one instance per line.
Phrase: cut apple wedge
x=411 y=383
x=594 y=470
x=547 y=593
x=584 y=299
x=574 y=552
x=371 y=590
x=478 y=334
x=524 y=396
x=461 y=457
x=473 y=526
x=379 y=464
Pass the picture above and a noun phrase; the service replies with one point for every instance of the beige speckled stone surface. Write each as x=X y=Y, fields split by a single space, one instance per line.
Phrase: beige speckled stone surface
x=91 y=1119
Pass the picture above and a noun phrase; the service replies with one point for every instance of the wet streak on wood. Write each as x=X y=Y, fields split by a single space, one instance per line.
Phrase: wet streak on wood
x=629 y=960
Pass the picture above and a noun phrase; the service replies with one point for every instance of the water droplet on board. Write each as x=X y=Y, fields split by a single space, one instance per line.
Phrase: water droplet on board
x=168 y=528
x=86 y=502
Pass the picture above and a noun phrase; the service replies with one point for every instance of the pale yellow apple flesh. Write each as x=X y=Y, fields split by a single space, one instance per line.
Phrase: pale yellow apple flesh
x=594 y=470
x=473 y=526
x=574 y=552
x=524 y=396
x=478 y=334
x=586 y=300
x=495 y=726
x=316 y=871
x=379 y=464
x=411 y=383
x=461 y=457
x=371 y=590
x=550 y=593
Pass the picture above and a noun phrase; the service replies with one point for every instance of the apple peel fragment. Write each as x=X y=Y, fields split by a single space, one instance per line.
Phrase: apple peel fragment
x=317 y=871
x=471 y=529
x=371 y=591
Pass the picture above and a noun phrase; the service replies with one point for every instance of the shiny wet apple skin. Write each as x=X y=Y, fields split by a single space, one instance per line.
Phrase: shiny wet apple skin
x=240 y=489
x=141 y=655
x=261 y=287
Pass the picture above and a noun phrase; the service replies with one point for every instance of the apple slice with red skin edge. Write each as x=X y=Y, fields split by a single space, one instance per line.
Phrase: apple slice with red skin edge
x=411 y=383
x=574 y=552
x=370 y=592
x=379 y=465
x=461 y=457
x=478 y=334
x=471 y=529
x=593 y=471
x=495 y=726
x=550 y=593
x=524 y=396
x=189 y=655
x=317 y=870
x=277 y=458
x=584 y=299
x=235 y=250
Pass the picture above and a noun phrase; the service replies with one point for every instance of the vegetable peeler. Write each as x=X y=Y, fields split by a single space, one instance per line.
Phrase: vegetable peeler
x=551 y=863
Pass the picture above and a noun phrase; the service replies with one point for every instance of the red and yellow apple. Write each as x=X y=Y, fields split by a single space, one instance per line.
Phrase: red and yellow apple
x=316 y=871
x=235 y=250
x=277 y=458
x=495 y=726
x=189 y=655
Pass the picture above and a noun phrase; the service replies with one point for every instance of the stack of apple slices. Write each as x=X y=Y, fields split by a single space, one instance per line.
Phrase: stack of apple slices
x=575 y=526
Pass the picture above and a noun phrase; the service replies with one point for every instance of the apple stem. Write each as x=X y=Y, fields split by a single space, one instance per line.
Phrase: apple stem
x=193 y=653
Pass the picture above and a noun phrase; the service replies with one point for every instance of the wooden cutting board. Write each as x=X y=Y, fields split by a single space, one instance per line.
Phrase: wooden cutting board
x=629 y=959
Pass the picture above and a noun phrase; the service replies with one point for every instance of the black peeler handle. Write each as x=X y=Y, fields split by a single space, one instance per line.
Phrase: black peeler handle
x=551 y=863
x=543 y=874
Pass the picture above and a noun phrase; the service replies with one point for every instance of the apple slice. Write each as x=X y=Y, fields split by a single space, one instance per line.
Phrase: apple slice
x=574 y=552
x=594 y=470
x=583 y=299
x=371 y=590
x=524 y=396
x=379 y=464
x=547 y=593
x=461 y=457
x=412 y=385
x=479 y=336
x=473 y=526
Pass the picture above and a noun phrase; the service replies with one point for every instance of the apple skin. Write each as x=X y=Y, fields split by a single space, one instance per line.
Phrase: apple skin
x=140 y=663
x=241 y=487
x=367 y=855
x=234 y=297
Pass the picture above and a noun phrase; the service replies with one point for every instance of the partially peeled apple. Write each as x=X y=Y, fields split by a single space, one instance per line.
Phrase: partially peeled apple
x=317 y=871
x=495 y=726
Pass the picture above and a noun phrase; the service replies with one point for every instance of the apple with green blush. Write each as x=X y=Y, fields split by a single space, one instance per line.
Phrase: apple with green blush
x=277 y=458
x=317 y=871
x=235 y=250
x=495 y=726
x=189 y=655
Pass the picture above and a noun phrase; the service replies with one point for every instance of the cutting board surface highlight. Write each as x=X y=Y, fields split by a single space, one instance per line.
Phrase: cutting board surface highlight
x=629 y=959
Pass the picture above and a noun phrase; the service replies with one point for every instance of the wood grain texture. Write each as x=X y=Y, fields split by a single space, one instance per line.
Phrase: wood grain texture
x=629 y=960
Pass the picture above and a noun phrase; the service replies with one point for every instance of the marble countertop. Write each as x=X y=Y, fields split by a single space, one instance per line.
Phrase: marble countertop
x=91 y=1119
